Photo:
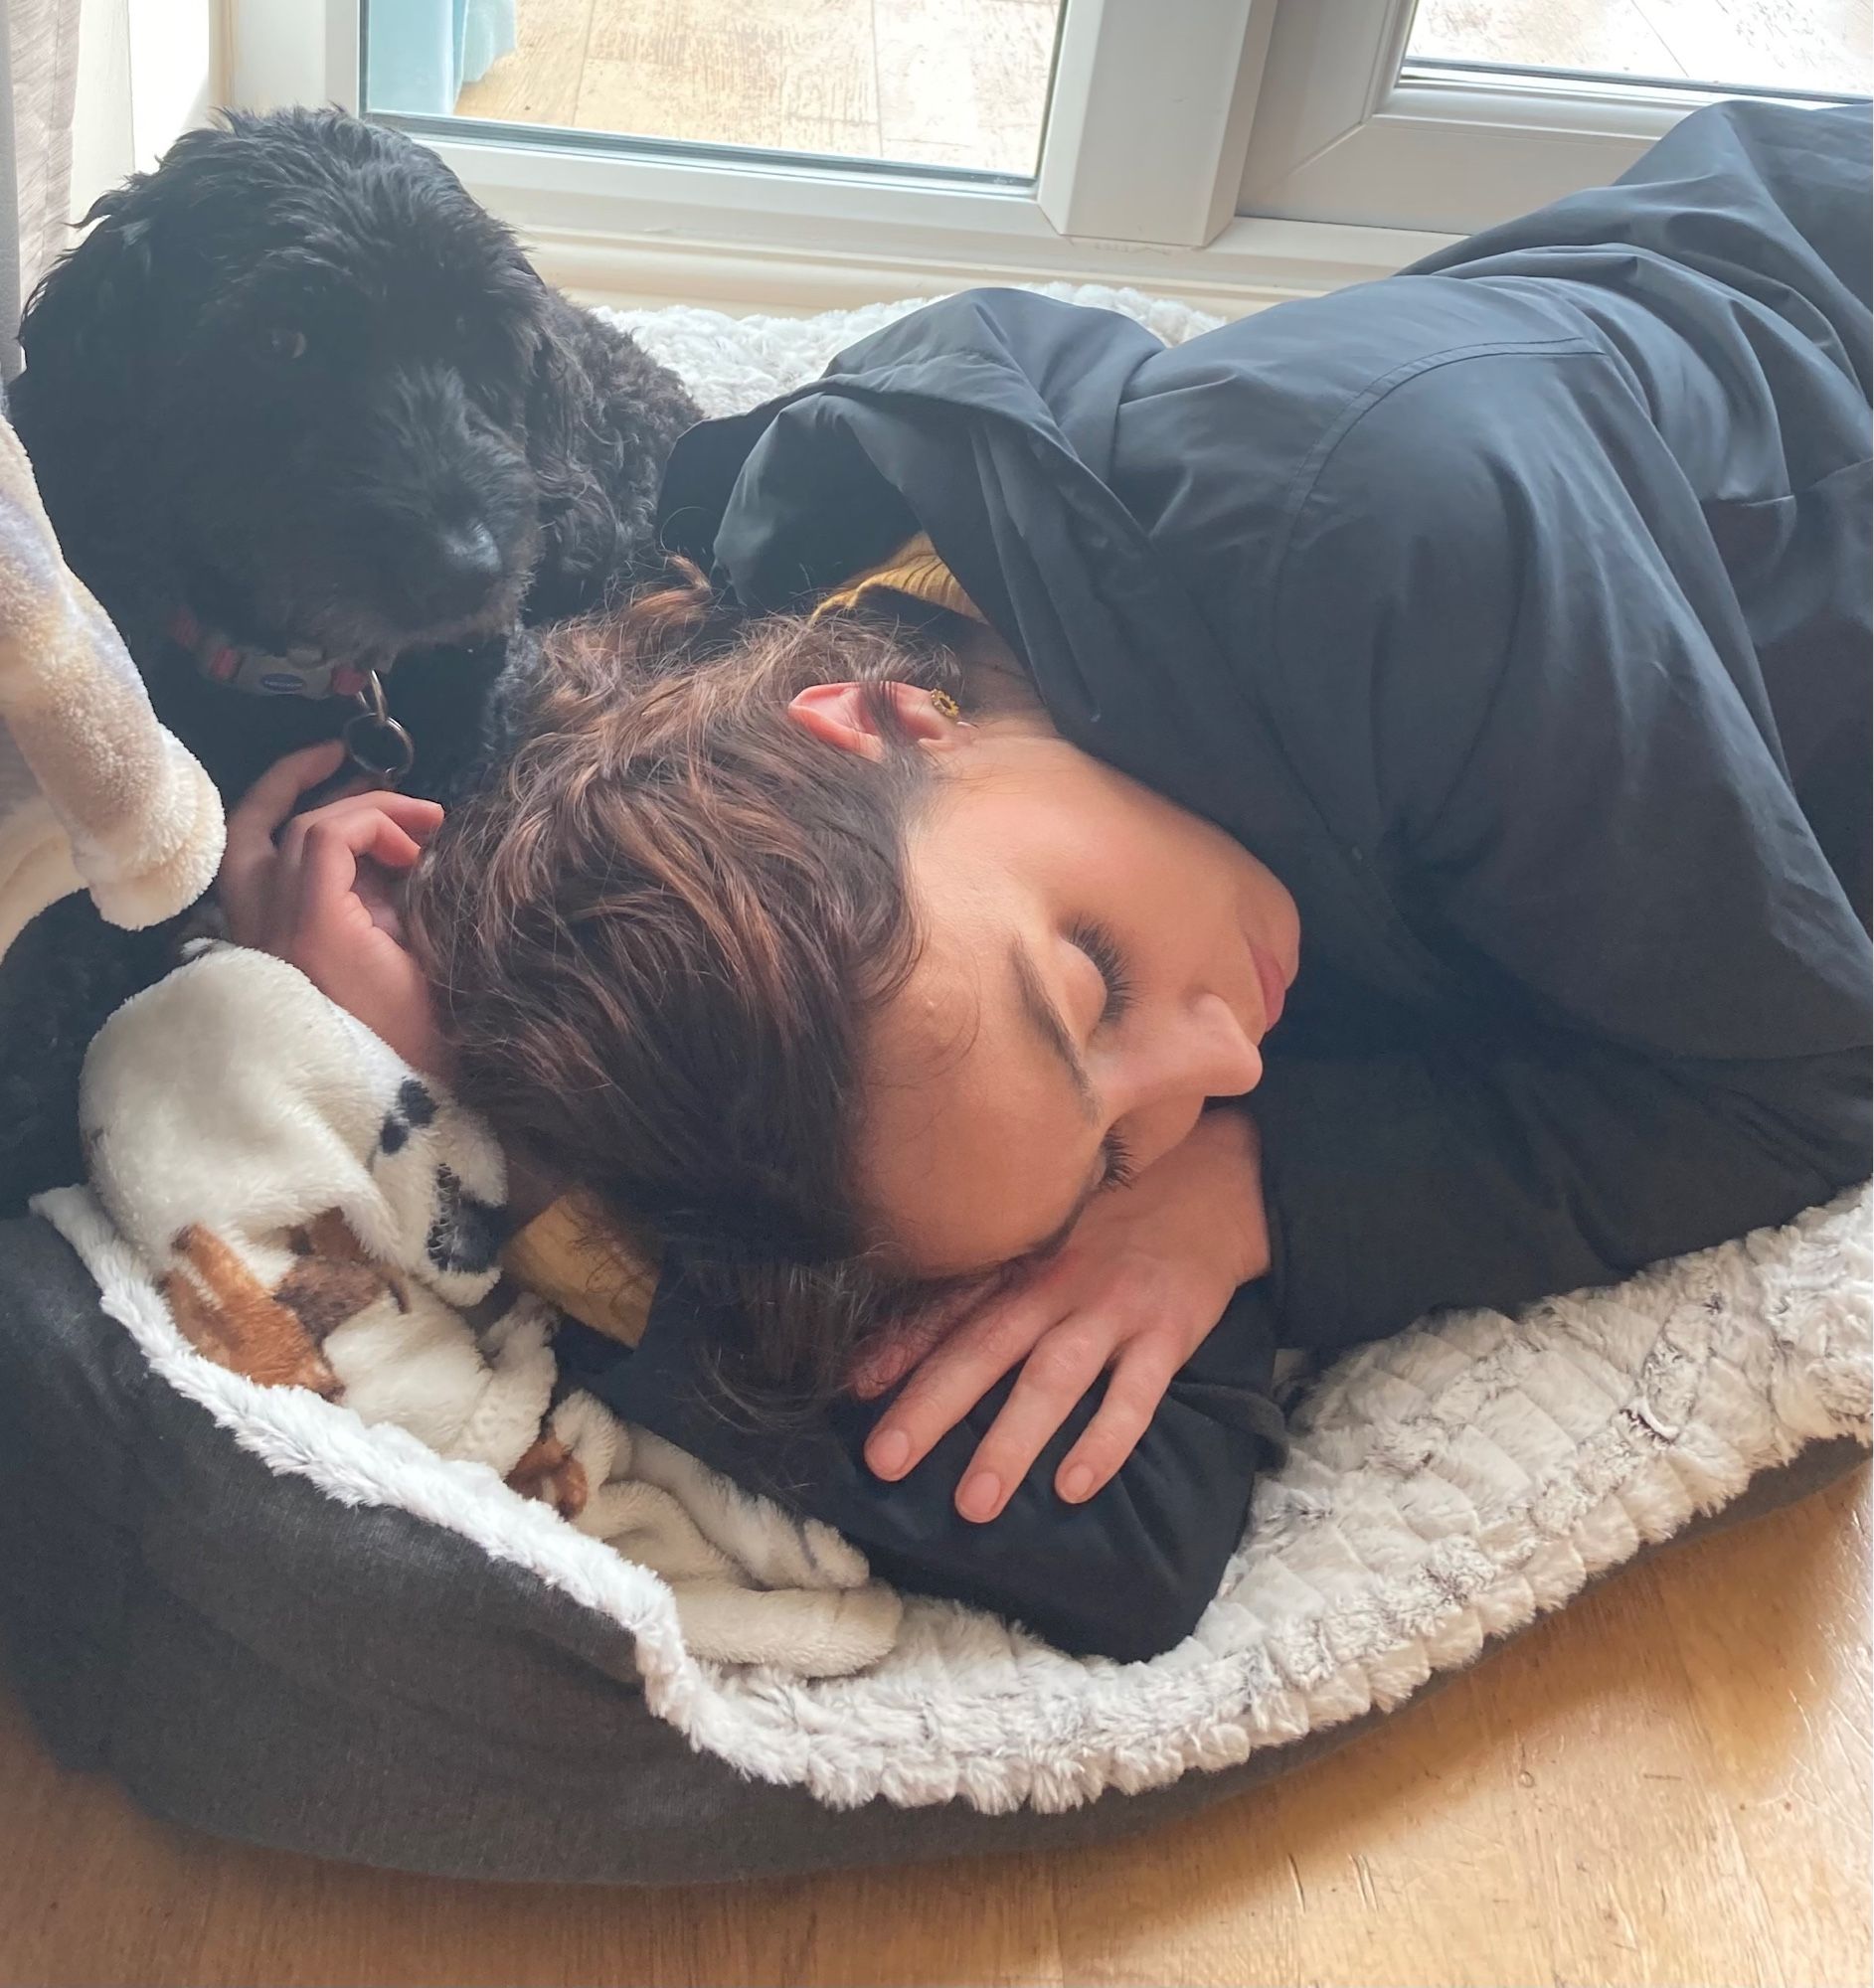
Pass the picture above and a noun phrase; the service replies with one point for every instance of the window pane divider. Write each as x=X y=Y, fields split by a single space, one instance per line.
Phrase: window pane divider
x=1148 y=123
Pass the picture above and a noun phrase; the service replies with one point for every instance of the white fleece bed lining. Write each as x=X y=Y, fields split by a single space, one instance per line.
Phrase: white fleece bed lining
x=1368 y=1570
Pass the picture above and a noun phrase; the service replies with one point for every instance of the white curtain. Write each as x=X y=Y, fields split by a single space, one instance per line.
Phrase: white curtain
x=39 y=69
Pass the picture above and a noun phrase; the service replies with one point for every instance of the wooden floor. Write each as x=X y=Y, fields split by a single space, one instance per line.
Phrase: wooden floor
x=1666 y=1784
x=964 y=82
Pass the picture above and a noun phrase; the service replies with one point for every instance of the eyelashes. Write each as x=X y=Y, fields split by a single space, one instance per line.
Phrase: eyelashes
x=1099 y=945
x=1117 y=1160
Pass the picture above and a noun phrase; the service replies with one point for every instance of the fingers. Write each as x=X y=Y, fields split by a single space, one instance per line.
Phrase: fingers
x=263 y=827
x=273 y=795
x=331 y=846
x=1061 y=1369
x=1145 y=1368
x=1135 y=1349
x=255 y=820
x=952 y=1378
x=417 y=819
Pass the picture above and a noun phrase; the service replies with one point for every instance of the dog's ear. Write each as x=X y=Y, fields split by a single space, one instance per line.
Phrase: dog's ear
x=79 y=406
x=581 y=535
x=84 y=331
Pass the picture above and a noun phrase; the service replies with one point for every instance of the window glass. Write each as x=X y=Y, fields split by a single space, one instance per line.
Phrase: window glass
x=1819 y=46
x=955 y=84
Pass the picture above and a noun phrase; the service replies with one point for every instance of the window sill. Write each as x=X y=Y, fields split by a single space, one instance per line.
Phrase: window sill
x=744 y=236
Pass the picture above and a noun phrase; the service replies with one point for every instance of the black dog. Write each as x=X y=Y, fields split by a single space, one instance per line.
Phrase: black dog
x=300 y=409
x=300 y=406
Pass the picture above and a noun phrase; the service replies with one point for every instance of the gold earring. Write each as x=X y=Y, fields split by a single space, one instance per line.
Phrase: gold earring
x=946 y=706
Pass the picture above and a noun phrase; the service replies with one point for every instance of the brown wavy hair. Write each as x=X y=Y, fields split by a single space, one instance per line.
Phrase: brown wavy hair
x=655 y=938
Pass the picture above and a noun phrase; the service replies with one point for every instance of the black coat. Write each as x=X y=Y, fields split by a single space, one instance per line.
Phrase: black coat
x=1515 y=611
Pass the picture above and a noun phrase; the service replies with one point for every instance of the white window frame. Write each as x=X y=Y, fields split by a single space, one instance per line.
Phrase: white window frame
x=1145 y=150
x=1340 y=135
x=1228 y=152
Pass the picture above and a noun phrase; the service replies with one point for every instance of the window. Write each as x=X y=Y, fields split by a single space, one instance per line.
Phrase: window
x=960 y=84
x=1453 y=114
x=800 y=154
x=1819 y=46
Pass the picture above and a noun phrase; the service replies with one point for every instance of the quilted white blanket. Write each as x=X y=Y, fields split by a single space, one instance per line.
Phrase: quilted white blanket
x=1446 y=1486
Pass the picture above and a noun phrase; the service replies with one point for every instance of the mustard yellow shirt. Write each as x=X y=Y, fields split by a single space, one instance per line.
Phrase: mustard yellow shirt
x=571 y=1255
x=914 y=569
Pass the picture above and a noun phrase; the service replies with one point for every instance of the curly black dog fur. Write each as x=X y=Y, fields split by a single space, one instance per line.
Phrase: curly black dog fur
x=297 y=383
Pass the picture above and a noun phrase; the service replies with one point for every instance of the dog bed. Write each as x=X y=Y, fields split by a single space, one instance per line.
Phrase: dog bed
x=280 y=1622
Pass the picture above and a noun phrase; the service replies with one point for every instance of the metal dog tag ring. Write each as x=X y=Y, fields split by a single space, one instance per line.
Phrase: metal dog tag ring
x=377 y=744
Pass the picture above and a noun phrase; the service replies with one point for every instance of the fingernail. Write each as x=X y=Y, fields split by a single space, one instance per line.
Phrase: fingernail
x=980 y=1494
x=1077 y=1483
x=889 y=1452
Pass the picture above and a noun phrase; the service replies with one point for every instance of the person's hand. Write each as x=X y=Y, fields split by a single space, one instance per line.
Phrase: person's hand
x=1145 y=1276
x=319 y=890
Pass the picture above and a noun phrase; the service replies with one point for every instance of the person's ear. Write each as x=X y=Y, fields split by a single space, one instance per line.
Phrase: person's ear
x=846 y=715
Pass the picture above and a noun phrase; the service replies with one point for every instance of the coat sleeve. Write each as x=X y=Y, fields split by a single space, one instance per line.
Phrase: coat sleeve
x=1125 y=1575
x=1550 y=728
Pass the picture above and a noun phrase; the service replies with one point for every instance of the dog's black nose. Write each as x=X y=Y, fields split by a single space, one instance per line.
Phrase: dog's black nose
x=460 y=573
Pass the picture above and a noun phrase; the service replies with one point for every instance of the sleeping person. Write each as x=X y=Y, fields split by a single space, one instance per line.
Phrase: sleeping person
x=1111 y=861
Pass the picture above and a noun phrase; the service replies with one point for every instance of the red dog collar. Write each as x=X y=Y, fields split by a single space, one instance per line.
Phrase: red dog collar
x=302 y=671
x=379 y=747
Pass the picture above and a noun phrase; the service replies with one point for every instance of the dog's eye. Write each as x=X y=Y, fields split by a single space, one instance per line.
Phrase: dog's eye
x=282 y=342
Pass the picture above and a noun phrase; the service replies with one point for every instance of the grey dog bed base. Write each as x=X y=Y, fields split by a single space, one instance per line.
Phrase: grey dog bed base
x=407 y=1702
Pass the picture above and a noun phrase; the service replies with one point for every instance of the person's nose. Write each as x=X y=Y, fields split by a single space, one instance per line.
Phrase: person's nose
x=1223 y=1052
x=1207 y=1055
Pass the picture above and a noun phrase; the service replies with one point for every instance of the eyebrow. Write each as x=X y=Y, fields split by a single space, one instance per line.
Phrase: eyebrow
x=1048 y=1025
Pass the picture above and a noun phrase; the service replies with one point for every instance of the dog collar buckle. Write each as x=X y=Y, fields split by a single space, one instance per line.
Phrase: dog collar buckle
x=379 y=747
